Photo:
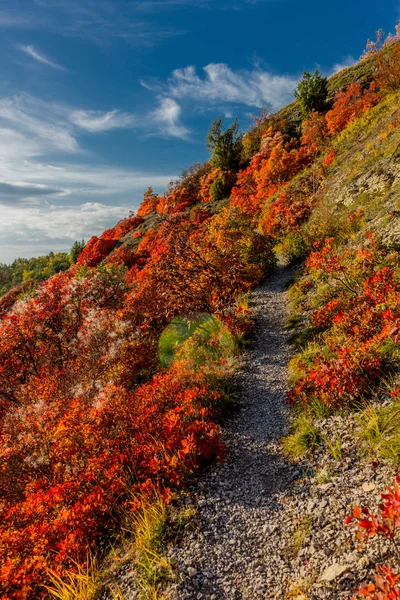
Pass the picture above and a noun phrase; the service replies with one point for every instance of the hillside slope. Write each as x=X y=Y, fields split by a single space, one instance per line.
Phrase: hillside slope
x=116 y=374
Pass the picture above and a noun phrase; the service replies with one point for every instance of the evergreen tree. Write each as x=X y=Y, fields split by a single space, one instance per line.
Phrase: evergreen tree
x=76 y=249
x=225 y=146
x=312 y=93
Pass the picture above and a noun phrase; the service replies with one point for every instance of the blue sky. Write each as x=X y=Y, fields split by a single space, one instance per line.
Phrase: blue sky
x=101 y=98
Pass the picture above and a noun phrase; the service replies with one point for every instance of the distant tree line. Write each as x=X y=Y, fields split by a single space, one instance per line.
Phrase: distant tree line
x=37 y=269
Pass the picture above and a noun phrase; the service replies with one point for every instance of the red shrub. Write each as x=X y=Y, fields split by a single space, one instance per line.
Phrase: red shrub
x=329 y=158
x=385 y=587
x=79 y=430
x=268 y=172
x=314 y=133
x=357 y=316
x=349 y=105
x=386 y=522
x=96 y=250
x=82 y=457
x=149 y=204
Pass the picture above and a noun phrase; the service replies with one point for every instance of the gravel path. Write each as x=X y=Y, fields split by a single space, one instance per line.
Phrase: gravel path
x=268 y=528
x=232 y=553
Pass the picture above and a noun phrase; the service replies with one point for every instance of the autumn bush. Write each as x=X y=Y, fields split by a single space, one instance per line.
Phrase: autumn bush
x=78 y=462
x=88 y=417
x=149 y=203
x=102 y=406
x=290 y=208
x=349 y=105
x=97 y=249
x=385 y=522
x=386 y=585
x=354 y=299
x=314 y=132
x=73 y=434
x=270 y=170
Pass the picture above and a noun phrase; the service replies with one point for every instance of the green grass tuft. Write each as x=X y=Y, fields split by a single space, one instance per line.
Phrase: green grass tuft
x=303 y=437
x=380 y=431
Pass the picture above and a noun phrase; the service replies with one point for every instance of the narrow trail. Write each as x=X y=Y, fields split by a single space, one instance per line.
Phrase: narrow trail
x=232 y=552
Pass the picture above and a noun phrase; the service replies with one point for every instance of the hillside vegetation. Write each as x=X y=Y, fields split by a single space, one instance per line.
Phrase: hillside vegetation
x=114 y=374
x=36 y=269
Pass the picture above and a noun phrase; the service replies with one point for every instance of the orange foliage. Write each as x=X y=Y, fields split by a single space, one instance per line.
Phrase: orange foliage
x=290 y=208
x=329 y=158
x=149 y=204
x=385 y=587
x=268 y=172
x=97 y=249
x=191 y=268
x=186 y=191
x=75 y=454
x=385 y=522
x=314 y=133
x=349 y=105
x=79 y=430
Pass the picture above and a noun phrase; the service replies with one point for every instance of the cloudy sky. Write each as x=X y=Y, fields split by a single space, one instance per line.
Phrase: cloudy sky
x=99 y=99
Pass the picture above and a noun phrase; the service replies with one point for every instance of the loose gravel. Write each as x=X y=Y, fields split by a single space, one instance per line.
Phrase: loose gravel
x=266 y=527
x=232 y=552
x=269 y=528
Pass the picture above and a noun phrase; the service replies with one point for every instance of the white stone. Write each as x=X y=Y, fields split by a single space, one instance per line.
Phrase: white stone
x=368 y=486
x=334 y=571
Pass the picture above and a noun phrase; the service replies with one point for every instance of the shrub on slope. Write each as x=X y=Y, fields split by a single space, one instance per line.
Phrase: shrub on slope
x=87 y=416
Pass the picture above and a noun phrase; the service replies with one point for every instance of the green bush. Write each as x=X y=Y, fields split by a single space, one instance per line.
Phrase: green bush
x=312 y=93
x=219 y=189
x=226 y=147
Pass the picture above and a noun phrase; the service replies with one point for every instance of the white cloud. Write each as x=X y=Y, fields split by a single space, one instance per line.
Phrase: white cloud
x=32 y=127
x=344 y=64
x=97 y=121
x=96 y=21
x=167 y=115
x=39 y=57
x=51 y=190
x=35 y=230
x=47 y=206
x=80 y=180
x=220 y=83
x=52 y=223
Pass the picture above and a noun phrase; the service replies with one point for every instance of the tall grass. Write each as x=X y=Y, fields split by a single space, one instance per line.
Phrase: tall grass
x=379 y=430
x=148 y=528
x=303 y=437
x=82 y=583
